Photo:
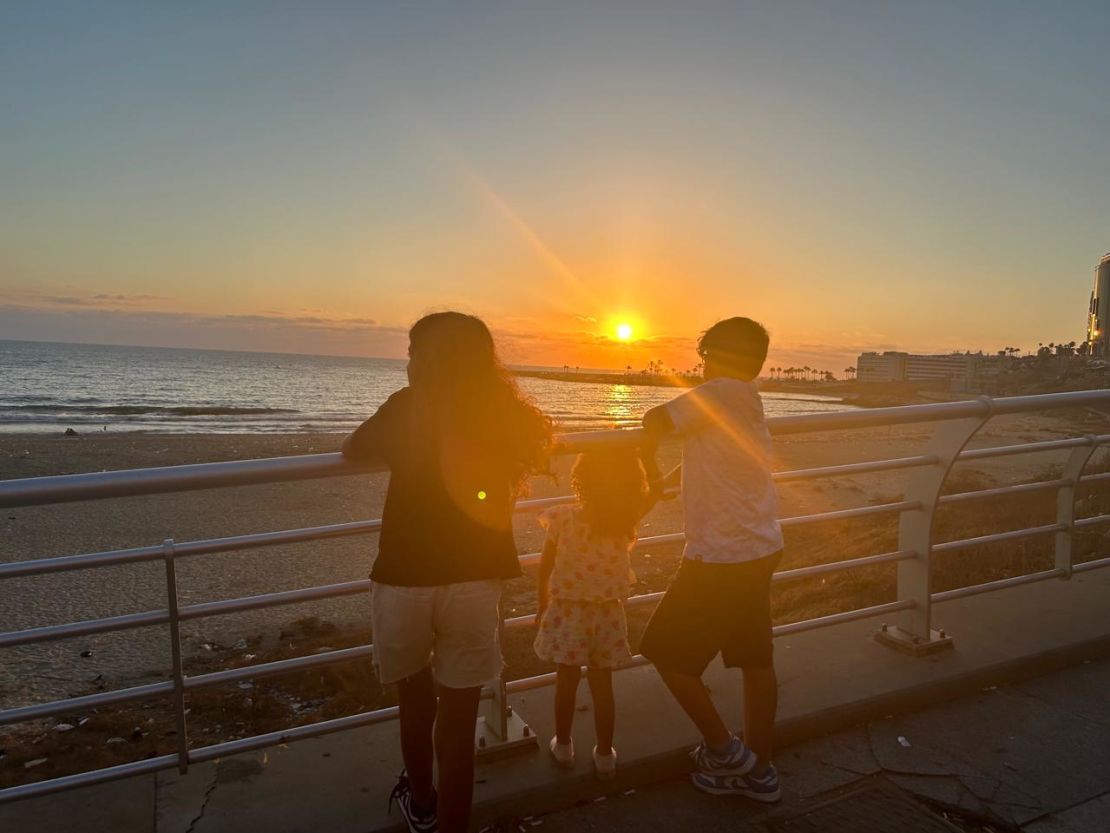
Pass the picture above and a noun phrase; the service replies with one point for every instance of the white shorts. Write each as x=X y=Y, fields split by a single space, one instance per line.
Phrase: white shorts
x=452 y=627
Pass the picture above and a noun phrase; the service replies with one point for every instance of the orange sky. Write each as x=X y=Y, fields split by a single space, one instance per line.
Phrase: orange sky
x=884 y=178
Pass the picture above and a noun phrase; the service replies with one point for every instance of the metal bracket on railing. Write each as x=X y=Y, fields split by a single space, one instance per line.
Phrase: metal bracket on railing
x=175 y=653
x=500 y=728
x=915 y=634
x=1065 y=503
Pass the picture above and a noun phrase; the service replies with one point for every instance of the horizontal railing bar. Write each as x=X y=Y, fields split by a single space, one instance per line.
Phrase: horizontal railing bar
x=66 y=488
x=856 y=512
x=841 y=566
x=86 y=628
x=309 y=730
x=998 y=537
x=1090 y=565
x=1031 y=448
x=934 y=412
x=96 y=485
x=281 y=666
x=540 y=680
x=531 y=558
x=202 y=547
x=308 y=594
x=1013 y=581
x=836 y=618
x=148 y=618
x=1095 y=478
x=529 y=683
x=200 y=755
x=785 y=575
x=235 y=542
x=85 y=702
x=632 y=601
x=1040 y=485
x=856 y=468
x=85 y=561
x=89 y=778
x=1094 y=520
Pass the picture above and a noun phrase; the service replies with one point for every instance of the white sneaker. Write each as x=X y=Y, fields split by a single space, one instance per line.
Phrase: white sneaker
x=605 y=765
x=563 y=753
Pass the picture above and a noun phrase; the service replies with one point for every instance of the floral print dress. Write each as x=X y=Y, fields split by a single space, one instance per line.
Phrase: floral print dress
x=584 y=623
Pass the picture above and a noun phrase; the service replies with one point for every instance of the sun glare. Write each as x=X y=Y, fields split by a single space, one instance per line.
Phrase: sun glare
x=624 y=332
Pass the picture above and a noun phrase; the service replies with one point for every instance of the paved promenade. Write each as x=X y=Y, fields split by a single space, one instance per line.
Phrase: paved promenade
x=1011 y=728
x=1034 y=756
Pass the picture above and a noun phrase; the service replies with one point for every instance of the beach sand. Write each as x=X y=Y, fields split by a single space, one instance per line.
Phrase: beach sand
x=130 y=732
x=53 y=669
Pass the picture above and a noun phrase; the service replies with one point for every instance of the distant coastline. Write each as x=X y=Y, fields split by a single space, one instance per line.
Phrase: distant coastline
x=649 y=380
x=846 y=392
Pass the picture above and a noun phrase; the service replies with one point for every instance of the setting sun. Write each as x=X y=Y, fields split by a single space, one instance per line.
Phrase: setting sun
x=624 y=332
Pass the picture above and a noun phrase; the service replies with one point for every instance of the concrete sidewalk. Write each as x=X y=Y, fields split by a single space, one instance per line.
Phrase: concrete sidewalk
x=1034 y=756
x=831 y=679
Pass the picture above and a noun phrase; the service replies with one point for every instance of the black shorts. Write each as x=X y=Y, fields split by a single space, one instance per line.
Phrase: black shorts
x=712 y=609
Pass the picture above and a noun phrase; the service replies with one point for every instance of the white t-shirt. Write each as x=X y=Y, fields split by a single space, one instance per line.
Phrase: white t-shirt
x=728 y=496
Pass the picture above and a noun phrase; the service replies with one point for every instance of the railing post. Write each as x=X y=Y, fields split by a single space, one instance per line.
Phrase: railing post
x=175 y=652
x=916 y=634
x=1065 y=504
x=499 y=727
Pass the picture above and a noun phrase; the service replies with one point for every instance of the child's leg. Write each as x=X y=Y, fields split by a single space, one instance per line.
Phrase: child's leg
x=601 y=687
x=454 y=736
x=566 y=693
x=416 y=704
x=693 y=697
x=761 y=695
x=682 y=638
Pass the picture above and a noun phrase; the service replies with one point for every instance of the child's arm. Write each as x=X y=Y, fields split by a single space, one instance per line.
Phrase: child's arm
x=651 y=469
x=373 y=440
x=543 y=577
x=658 y=484
x=657 y=422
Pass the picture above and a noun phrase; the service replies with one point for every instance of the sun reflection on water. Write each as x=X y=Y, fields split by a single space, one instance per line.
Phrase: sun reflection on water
x=619 y=404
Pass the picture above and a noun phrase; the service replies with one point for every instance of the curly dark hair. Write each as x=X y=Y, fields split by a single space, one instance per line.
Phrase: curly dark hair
x=612 y=487
x=464 y=389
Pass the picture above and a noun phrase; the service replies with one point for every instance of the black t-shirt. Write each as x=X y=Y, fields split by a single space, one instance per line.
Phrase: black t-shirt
x=449 y=507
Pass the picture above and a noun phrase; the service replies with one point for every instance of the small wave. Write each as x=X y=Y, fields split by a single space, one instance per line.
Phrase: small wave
x=140 y=410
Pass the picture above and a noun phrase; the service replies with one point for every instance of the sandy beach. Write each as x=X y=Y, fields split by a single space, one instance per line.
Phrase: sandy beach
x=52 y=669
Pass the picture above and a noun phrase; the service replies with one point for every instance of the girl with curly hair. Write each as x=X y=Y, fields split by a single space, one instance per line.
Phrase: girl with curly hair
x=584 y=578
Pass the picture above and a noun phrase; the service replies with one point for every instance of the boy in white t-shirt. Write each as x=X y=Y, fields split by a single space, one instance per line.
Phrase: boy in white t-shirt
x=719 y=601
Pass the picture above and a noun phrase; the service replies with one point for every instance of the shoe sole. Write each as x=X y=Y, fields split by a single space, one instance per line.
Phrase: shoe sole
x=766 y=798
x=561 y=764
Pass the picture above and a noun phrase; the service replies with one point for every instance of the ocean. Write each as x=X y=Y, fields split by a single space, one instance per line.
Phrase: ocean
x=49 y=387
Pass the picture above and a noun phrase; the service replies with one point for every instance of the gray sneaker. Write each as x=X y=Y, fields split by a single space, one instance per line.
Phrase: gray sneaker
x=738 y=760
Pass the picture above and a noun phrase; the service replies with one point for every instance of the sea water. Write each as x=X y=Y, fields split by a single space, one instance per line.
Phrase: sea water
x=48 y=387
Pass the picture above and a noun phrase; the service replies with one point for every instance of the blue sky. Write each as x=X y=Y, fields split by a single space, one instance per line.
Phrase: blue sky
x=312 y=177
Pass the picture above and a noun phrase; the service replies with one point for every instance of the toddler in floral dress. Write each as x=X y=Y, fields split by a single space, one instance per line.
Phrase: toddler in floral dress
x=584 y=578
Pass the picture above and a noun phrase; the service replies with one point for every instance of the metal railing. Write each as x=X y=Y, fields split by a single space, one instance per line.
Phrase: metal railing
x=956 y=423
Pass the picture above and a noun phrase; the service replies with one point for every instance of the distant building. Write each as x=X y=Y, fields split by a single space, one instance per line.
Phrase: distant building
x=955 y=366
x=1098 y=315
x=893 y=366
x=881 y=367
